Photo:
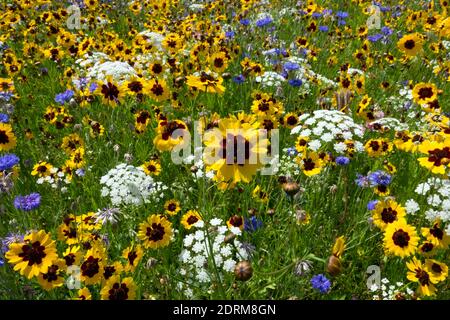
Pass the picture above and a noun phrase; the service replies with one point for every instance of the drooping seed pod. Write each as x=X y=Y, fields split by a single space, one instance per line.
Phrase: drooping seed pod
x=334 y=266
x=243 y=270
x=291 y=188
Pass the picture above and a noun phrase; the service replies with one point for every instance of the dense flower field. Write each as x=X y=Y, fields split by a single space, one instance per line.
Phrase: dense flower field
x=238 y=149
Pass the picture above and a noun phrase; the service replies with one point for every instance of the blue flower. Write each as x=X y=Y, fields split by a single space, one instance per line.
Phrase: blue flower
x=342 y=161
x=8 y=161
x=244 y=22
x=379 y=178
x=64 y=97
x=375 y=38
x=264 y=22
x=362 y=181
x=239 y=79
x=92 y=87
x=4 y=118
x=229 y=34
x=316 y=15
x=371 y=205
x=324 y=28
x=295 y=82
x=290 y=66
x=6 y=96
x=342 y=14
x=28 y=202
x=321 y=283
x=386 y=31
x=291 y=152
x=252 y=224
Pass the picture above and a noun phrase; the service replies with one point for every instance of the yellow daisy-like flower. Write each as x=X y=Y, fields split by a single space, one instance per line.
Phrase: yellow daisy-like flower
x=133 y=255
x=438 y=155
x=42 y=169
x=190 y=218
x=436 y=235
x=53 y=277
x=424 y=93
x=438 y=270
x=260 y=195
x=34 y=255
x=236 y=221
x=111 y=93
x=172 y=207
x=165 y=139
x=378 y=147
x=234 y=150
x=207 y=82
x=111 y=270
x=157 y=89
x=311 y=163
x=92 y=267
x=116 y=289
x=7 y=138
x=72 y=256
x=83 y=294
x=151 y=167
x=387 y=212
x=410 y=44
x=155 y=232
x=400 y=239
x=419 y=273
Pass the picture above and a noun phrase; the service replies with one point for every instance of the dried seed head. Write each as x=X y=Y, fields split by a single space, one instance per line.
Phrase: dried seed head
x=291 y=188
x=334 y=266
x=243 y=270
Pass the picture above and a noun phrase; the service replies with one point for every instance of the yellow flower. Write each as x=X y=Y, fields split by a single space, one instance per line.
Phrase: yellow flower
x=339 y=247
x=438 y=155
x=234 y=150
x=190 y=218
x=53 y=277
x=172 y=207
x=152 y=168
x=378 y=147
x=7 y=138
x=424 y=93
x=400 y=239
x=34 y=255
x=438 y=270
x=164 y=140
x=156 y=232
x=436 y=235
x=387 y=212
x=418 y=273
x=92 y=267
x=42 y=169
x=157 y=89
x=207 y=82
x=310 y=163
x=84 y=294
x=110 y=92
x=72 y=256
x=133 y=255
x=260 y=195
x=116 y=289
x=410 y=44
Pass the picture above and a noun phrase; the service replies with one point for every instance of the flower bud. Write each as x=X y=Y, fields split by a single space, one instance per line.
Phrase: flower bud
x=243 y=270
x=334 y=266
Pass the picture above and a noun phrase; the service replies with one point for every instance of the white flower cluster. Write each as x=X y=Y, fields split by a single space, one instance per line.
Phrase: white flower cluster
x=388 y=291
x=154 y=38
x=98 y=66
x=286 y=165
x=270 y=79
x=437 y=192
x=126 y=184
x=390 y=123
x=329 y=126
x=206 y=249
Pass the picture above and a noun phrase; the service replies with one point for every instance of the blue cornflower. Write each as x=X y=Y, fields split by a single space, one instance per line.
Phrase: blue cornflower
x=375 y=38
x=371 y=205
x=6 y=96
x=2 y=263
x=324 y=28
x=9 y=239
x=8 y=161
x=316 y=15
x=93 y=87
x=4 y=118
x=239 y=79
x=326 y=12
x=244 y=22
x=362 y=181
x=321 y=283
x=342 y=161
x=342 y=14
x=264 y=22
x=64 y=97
x=379 y=178
x=28 y=202
x=252 y=224
x=229 y=34
x=341 y=22
x=291 y=151
x=290 y=66
x=295 y=82
x=386 y=31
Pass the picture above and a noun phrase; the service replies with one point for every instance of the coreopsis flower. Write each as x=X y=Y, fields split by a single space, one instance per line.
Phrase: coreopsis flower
x=438 y=159
x=110 y=92
x=386 y=212
x=378 y=147
x=400 y=239
x=190 y=218
x=133 y=255
x=155 y=232
x=417 y=272
x=169 y=134
x=42 y=169
x=7 y=138
x=34 y=255
x=53 y=278
x=91 y=272
x=234 y=150
x=411 y=44
x=436 y=235
x=206 y=81
x=152 y=167
x=84 y=293
x=424 y=93
x=116 y=289
x=172 y=207
x=157 y=89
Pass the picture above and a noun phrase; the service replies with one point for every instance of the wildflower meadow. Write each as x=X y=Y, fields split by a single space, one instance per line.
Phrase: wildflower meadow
x=232 y=150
